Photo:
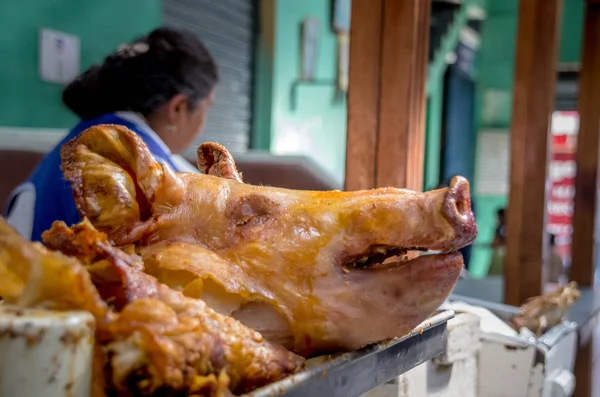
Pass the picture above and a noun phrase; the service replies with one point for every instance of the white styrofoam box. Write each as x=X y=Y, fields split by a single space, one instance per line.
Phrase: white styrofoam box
x=458 y=379
x=562 y=354
x=487 y=364
x=559 y=363
x=453 y=374
x=545 y=365
x=536 y=380
x=504 y=366
x=489 y=322
x=560 y=384
x=534 y=370
x=463 y=339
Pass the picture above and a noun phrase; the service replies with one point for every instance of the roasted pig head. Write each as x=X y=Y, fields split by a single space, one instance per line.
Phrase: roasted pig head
x=315 y=271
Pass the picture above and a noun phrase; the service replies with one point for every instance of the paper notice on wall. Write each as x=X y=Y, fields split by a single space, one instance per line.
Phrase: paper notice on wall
x=561 y=176
x=59 y=56
x=493 y=163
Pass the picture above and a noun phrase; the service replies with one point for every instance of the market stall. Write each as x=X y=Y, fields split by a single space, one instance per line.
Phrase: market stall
x=385 y=147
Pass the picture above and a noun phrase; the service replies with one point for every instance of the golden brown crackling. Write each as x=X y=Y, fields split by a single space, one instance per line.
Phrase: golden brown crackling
x=181 y=344
x=120 y=203
x=214 y=159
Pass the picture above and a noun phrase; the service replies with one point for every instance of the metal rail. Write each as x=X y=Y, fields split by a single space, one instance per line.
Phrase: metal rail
x=352 y=374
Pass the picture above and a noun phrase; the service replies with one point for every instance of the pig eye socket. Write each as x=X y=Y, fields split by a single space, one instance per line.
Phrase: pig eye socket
x=246 y=221
x=251 y=210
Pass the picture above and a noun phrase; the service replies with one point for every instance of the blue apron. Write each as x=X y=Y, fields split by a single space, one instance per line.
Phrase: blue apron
x=53 y=196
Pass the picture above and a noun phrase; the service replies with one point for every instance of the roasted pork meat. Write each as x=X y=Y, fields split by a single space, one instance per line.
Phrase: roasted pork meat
x=152 y=340
x=317 y=272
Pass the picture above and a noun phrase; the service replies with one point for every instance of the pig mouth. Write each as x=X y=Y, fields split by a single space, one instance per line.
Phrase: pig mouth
x=381 y=256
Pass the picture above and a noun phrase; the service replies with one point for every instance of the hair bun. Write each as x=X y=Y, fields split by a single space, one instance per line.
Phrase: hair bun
x=131 y=50
x=82 y=96
x=144 y=75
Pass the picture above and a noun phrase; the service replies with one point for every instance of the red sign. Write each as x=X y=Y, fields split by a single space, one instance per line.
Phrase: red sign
x=561 y=178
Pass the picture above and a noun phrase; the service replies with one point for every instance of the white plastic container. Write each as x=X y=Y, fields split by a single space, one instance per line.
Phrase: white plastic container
x=514 y=366
x=486 y=358
x=452 y=374
x=45 y=353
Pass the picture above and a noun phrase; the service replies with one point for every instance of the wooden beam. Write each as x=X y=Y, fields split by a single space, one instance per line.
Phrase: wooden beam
x=533 y=103
x=401 y=140
x=386 y=95
x=416 y=169
x=586 y=189
x=587 y=155
x=363 y=94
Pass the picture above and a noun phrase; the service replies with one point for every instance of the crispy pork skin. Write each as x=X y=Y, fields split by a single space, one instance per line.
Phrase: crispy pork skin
x=151 y=339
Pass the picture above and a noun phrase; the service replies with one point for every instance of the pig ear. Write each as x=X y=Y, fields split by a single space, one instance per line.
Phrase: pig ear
x=214 y=159
x=114 y=179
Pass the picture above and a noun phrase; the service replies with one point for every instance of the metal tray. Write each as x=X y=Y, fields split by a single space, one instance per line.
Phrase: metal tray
x=352 y=374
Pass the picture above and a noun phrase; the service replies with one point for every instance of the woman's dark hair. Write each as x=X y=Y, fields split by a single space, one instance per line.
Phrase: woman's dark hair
x=144 y=75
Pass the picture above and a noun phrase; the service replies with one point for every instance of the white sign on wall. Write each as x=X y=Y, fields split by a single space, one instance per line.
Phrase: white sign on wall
x=59 y=56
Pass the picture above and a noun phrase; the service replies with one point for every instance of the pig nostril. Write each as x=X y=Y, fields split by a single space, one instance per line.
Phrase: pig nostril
x=463 y=207
x=459 y=196
x=457 y=210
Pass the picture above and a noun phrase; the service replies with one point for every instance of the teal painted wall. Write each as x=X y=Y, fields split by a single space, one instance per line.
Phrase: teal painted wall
x=263 y=77
x=433 y=135
x=495 y=74
x=101 y=26
x=317 y=126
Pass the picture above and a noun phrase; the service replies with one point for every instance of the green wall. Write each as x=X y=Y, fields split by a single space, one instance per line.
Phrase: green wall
x=101 y=26
x=317 y=125
x=495 y=75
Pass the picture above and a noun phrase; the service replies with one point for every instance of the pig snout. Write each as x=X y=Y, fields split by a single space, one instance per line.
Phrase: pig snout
x=456 y=208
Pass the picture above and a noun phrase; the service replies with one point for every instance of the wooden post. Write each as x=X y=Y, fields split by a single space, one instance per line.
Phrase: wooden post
x=533 y=103
x=586 y=186
x=386 y=97
x=401 y=142
x=363 y=93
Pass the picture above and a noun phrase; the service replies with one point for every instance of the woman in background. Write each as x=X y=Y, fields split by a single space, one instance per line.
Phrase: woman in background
x=160 y=86
x=498 y=245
